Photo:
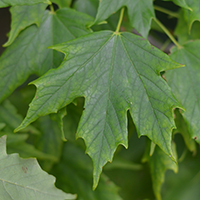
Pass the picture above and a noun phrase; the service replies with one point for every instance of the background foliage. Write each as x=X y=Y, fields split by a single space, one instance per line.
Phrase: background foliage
x=94 y=75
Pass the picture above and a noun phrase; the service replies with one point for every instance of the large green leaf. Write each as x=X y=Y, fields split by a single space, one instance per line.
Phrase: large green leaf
x=115 y=72
x=31 y=48
x=140 y=12
x=159 y=163
x=23 y=178
x=23 y=16
x=185 y=84
x=5 y=3
x=77 y=166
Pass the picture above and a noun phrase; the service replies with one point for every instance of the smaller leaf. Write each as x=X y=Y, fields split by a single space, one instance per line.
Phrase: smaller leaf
x=159 y=162
x=181 y=3
x=22 y=17
x=22 y=178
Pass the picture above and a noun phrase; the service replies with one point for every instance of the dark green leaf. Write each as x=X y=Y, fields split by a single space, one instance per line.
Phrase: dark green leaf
x=115 y=72
x=24 y=16
x=140 y=13
x=62 y=3
x=159 y=163
x=77 y=166
x=185 y=84
x=181 y=3
x=29 y=54
x=22 y=178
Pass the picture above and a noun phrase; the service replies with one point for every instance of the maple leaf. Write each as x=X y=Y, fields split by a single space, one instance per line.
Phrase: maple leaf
x=5 y=3
x=185 y=84
x=24 y=16
x=114 y=72
x=29 y=54
x=21 y=176
x=140 y=13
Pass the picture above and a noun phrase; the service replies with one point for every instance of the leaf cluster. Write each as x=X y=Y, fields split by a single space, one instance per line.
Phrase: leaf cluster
x=103 y=71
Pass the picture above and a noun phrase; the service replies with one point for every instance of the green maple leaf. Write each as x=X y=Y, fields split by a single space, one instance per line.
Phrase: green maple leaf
x=29 y=54
x=140 y=13
x=5 y=3
x=159 y=163
x=22 y=178
x=114 y=72
x=185 y=84
x=181 y=3
x=24 y=16
x=192 y=15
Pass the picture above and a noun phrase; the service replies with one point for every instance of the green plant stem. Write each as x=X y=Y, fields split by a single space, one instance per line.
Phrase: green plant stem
x=167 y=33
x=51 y=8
x=120 y=20
x=168 y=12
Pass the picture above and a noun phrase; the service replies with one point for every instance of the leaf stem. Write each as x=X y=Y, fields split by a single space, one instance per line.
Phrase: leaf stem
x=166 y=11
x=52 y=8
x=167 y=33
x=120 y=20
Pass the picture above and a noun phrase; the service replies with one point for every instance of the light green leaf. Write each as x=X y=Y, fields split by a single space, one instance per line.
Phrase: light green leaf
x=5 y=3
x=29 y=54
x=181 y=3
x=140 y=13
x=185 y=84
x=23 y=178
x=77 y=166
x=182 y=31
x=24 y=16
x=114 y=72
x=159 y=163
x=192 y=15
x=62 y=3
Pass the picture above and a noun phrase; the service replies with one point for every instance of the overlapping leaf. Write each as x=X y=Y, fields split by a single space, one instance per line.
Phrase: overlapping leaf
x=115 y=72
x=24 y=16
x=185 y=84
x=5 y=3
x=159 y=163
x=76 y=165
x=182 y=31
x=23 y=178
x=29 y=54
x=140 y=12
x=192 y=15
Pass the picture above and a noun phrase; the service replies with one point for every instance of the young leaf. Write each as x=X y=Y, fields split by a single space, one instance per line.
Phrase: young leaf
x=22 y=178
x=185 y=84
x=159 y=163
x=181 y=3
x=24 y=16
x=29 y=54
x=5 y=3
x=77 y=166
x=140 y=13
x=114 y=72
